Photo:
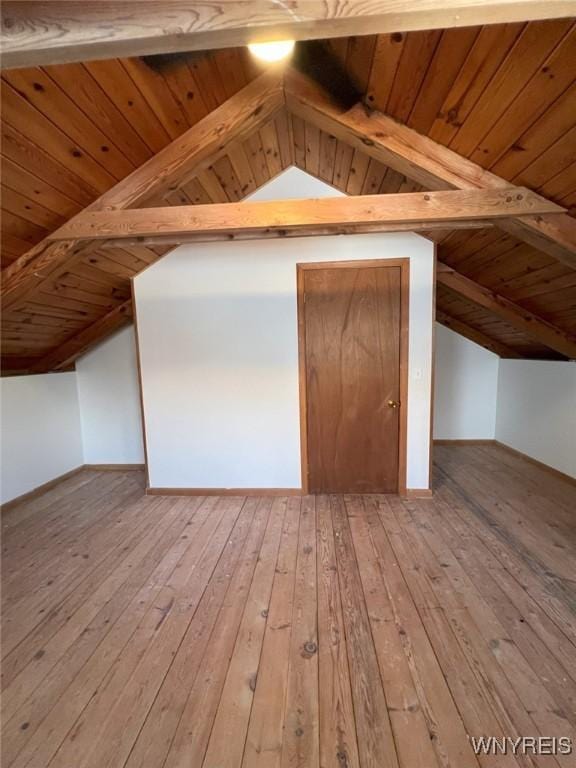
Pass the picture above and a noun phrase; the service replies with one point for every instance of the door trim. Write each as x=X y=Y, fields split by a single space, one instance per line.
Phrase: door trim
x=404 y=264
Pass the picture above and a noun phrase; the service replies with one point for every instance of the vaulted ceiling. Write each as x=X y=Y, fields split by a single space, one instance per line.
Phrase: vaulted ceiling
x=502 y=96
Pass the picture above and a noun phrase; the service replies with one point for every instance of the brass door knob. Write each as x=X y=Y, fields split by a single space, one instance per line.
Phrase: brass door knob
x=393 y=404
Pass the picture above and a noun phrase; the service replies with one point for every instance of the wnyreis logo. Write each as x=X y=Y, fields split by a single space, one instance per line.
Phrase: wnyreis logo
x=523 y=745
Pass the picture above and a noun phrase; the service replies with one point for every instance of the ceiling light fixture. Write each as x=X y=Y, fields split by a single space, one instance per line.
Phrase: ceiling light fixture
x=273 y=51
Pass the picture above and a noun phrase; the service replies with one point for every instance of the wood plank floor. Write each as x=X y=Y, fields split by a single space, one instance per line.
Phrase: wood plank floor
x=337 y=631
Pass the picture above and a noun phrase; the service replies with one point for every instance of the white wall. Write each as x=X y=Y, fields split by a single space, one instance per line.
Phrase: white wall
x=57 y=422
x=40 y=434
x=465 y=388
x=537 y=411
x=109 y=395
x=217 y=326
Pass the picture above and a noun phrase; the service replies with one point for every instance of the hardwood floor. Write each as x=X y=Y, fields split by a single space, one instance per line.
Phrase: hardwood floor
x=333 y=631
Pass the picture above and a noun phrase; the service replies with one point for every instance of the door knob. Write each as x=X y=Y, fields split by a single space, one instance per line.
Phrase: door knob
x=393 y=404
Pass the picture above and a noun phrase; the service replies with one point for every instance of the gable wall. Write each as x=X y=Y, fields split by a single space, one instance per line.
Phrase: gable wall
x=217 y=330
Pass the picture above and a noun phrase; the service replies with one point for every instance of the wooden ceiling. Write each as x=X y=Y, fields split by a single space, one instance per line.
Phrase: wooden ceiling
x=501 y=95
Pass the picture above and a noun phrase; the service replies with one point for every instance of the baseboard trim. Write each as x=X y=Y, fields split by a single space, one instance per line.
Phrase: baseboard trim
x=115 y=467
x=417 y=493
x=8 y=505
x=464 y=442
x=224 y=491
x=546 y=467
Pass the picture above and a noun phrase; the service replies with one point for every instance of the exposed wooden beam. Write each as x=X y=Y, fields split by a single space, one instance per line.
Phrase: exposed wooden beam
x=555 y=236
x=512 y=313
x=39 y=33
x=473 y=334
x=421 y=159
x=380 y=213
x=275 y=234
x=71 y=350
x=201 y=145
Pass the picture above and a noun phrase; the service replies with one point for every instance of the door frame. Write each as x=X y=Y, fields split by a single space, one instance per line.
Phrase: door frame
x=404 y=264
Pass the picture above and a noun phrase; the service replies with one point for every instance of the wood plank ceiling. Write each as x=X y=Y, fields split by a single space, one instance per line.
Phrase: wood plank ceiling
x=502 y=96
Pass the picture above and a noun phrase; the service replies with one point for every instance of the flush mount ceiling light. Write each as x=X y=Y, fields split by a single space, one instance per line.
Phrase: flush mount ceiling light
x=273 y=51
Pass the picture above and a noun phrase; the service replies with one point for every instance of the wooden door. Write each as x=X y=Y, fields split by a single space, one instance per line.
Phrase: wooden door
x=352 y=342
